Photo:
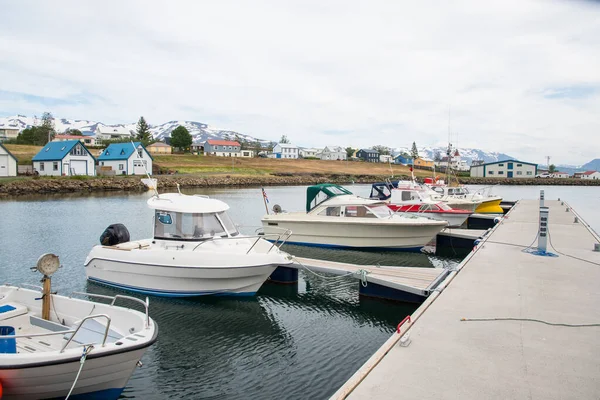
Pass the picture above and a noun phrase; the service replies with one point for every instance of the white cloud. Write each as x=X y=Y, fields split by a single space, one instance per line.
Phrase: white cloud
x=359 y=73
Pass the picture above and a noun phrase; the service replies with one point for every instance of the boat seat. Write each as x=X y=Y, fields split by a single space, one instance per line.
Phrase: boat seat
x=92 y=331
x=9 y=310
x=47 y=325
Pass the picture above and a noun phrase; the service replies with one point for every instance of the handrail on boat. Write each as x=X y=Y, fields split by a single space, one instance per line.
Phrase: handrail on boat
x=108 y=320
x=279 y=241
x=146 y=303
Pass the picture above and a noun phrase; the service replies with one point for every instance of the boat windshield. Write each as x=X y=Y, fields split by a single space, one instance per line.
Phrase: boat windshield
x=381 y=211
x=444 y=207
x=187 y=226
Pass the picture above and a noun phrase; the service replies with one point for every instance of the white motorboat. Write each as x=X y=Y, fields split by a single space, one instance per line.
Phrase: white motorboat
x=53 y=346
x=383 y=191
x=408 y=200
x=196 y=250
x=336 y=218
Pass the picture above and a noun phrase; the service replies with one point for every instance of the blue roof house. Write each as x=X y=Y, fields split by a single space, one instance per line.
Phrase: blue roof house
x=402 y=159
x=69 y=157
x=126 y=159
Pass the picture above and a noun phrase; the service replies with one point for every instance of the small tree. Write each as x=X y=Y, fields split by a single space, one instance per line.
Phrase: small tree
x=414 y=152
x=437 y=156
x=143 y=131
x=181 y=138
x=552 y=168
x=257 y=147
x=349 y=152
x=284 y=139
x=382 y=150
x=74 y=132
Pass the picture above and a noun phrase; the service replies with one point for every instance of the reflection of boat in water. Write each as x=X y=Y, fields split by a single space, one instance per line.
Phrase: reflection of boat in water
x=336 y=218
x=196 y=250
x=151 y=183
x=66 y=344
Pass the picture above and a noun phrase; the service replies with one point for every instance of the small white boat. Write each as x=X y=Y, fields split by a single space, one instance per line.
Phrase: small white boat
x=196 y=250
x=337 y=218
x=83 y=348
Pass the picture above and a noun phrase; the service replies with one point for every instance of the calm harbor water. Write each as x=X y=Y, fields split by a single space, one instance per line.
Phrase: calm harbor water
x=292 y=342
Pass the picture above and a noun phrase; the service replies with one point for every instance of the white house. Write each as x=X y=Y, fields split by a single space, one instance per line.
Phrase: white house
x=456 y=162
x=126 y=159
x=247 y=153
x=70 y=157
x=8 y=162
x=333 y=153
x=560 y=175
x=8 y=132
x=285 y=150
x=309 y=153
x=87 y=140
x=386 y=158
x=112 y=132
x=504 y=169
x=590 y=175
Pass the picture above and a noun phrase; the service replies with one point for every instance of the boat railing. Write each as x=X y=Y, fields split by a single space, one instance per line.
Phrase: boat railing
x=114 y=299
x=73 y=332
x=280 y=239
x=108 y=320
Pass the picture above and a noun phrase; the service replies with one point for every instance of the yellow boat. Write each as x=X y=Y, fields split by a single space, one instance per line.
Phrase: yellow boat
x=490 y=205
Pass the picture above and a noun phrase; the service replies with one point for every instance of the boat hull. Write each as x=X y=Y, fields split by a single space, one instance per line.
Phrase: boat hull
x=355 y=236
x=102 y=377
x=490 y=206
x=180 y=273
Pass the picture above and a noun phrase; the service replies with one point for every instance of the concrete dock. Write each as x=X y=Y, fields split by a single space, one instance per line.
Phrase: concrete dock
x=411 y=283
x=449 y=358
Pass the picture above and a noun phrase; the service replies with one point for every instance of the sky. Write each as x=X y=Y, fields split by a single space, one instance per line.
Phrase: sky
x=517 y=77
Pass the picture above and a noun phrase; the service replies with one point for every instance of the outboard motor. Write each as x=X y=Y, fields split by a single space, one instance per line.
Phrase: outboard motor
x=114 y=234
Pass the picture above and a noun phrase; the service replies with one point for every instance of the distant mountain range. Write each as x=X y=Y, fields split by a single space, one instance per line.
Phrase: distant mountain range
x=202 y=132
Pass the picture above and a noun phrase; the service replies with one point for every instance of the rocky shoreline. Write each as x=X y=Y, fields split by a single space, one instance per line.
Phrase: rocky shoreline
x=46 y=185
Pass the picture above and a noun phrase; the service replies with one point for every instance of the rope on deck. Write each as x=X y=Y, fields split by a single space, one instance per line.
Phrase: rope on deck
x=530 y=320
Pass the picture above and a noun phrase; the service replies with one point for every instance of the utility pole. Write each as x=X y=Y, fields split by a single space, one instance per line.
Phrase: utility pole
x=548 y=163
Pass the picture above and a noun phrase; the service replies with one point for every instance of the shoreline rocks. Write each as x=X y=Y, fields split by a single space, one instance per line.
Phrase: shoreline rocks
x=46 y=185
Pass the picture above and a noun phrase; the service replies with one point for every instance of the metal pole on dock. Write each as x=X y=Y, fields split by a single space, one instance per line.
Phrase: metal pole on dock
x=543 y=231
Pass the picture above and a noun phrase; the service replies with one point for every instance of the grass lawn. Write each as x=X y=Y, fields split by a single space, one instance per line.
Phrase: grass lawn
x=191 y=164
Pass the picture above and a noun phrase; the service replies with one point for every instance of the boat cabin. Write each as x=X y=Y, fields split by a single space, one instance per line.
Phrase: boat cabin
x=383 y=190
x=347 y=206
x=450 y=191
x=190 y=218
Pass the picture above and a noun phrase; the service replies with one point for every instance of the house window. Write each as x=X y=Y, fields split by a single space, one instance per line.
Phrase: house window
x=102 y=163
x=501 y=165
x=519 y=165
x=519 y=173
x=55 y=166
x=41 y=166
x=529 y=173
x=490 y=172
x=500 y=172
x=121 y=167
x=140 y=153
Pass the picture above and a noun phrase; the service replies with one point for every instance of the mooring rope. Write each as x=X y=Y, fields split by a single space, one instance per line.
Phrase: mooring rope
x=361 y=273
x=86 y=351
x=530 y=320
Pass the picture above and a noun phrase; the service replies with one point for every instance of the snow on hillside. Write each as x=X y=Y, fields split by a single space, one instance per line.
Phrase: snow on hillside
x=465 y=153
x=199 y=131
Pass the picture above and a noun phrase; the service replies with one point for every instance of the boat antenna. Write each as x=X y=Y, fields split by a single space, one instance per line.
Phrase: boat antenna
x=145 y=169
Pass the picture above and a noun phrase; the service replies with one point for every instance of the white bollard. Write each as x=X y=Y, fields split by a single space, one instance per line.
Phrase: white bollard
x=543 y=231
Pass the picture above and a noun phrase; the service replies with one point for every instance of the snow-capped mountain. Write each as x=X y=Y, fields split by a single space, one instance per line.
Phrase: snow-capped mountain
x=199 y=131
x=465 y=154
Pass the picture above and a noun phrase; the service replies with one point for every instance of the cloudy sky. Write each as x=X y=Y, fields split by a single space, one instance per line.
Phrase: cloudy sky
x=520 y=77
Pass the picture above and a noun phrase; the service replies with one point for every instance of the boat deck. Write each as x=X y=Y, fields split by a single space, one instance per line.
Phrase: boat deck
x=419 y=281
x=527 y=343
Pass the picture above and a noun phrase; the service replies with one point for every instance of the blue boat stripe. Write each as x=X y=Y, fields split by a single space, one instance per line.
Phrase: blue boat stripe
x=335 y=246
x=169 y=293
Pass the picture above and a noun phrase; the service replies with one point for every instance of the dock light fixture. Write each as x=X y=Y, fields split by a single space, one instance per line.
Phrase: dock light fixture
x=576 y=220
x=567 y=209
x=543 y=231
x=542 y=198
